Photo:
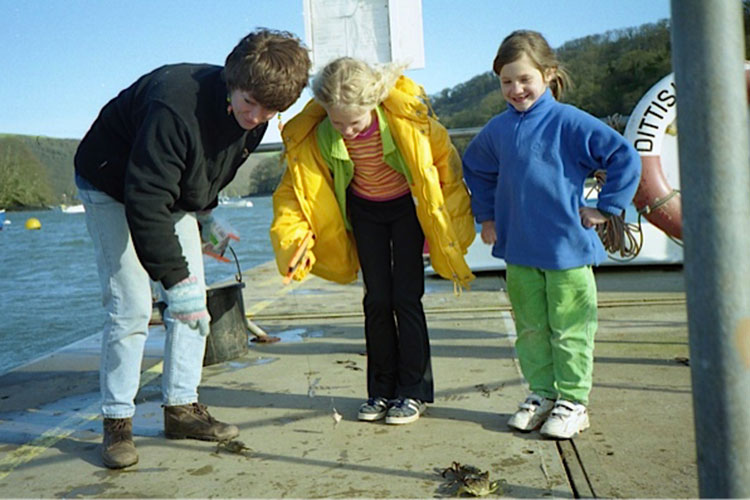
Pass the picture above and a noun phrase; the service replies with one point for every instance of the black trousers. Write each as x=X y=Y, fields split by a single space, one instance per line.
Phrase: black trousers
x=389 y=243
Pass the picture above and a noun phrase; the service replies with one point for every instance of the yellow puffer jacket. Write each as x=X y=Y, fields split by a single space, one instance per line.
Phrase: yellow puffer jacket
x=305 y=199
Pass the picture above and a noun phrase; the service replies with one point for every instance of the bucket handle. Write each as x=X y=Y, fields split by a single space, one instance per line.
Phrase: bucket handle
x=237 y=276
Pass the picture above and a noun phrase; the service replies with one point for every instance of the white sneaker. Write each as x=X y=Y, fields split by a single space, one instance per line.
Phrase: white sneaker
x=373 y=409
x=531 y=413
x=566 y=420
x=405 y=411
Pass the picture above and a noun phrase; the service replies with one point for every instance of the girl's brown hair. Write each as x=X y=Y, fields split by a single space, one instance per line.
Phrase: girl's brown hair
x=537 y=49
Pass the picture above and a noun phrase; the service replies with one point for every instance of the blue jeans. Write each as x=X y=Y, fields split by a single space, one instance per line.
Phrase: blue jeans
x=127 y=299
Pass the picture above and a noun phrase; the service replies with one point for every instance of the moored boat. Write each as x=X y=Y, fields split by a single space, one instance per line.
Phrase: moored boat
x=235 y=202
x=72 y=209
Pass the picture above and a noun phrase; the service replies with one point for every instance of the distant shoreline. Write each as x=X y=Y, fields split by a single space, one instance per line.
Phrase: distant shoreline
x=43 y=208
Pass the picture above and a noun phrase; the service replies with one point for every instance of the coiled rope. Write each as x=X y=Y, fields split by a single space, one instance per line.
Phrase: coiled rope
x=658 y=204
x=618 y=236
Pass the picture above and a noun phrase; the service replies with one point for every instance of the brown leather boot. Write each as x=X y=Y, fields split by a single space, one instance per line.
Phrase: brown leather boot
x=193 y=421
x=118 y=449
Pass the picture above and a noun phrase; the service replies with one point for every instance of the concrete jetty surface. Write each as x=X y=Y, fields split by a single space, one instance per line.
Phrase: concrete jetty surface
x=285 y=396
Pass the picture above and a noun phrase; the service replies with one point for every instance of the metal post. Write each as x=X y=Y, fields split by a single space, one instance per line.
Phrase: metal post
x=714 y=150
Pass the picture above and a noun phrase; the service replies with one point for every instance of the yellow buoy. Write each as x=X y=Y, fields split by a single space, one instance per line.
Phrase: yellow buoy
x=33 y=223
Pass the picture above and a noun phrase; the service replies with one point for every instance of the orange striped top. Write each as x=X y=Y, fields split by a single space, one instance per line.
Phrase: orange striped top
x=373 y=178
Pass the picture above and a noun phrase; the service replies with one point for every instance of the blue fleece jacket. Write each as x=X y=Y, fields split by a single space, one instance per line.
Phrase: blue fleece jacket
x=526 y=171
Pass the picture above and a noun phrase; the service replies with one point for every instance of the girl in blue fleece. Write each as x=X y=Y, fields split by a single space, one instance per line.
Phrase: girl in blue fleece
x=526 y=171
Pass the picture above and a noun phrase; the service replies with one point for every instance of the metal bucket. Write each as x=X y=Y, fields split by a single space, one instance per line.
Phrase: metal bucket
x=229 y=337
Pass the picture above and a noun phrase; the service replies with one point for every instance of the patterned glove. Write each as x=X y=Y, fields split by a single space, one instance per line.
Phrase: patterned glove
x=215 y=235
x=186 y=303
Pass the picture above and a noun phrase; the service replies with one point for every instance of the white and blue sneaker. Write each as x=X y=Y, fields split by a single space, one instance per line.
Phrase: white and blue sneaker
x=373 y=409
x=531 y=413
x=405 y=411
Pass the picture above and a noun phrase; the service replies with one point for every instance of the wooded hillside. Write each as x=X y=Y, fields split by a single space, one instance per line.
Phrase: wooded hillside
x=37 y=172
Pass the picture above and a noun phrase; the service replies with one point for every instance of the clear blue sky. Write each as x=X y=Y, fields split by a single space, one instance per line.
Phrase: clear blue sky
x=62 y=60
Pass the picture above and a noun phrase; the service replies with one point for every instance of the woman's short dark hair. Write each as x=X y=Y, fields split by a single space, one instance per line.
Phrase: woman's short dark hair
x=272 y=66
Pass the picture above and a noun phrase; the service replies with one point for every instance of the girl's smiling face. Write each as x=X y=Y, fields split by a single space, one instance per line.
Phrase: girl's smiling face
x=522 y=83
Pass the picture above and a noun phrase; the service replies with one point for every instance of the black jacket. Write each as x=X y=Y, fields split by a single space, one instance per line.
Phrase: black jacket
x=165 y=144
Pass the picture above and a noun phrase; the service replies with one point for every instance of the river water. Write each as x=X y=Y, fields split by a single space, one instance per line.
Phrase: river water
x=49 y=288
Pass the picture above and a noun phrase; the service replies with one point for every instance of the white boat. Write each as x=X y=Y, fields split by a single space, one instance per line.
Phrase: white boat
x=72 y=209
x=235 y=202
x=657 y=249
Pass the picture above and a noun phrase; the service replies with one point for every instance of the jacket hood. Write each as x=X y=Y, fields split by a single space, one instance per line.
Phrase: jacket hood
x=302 y=124
x=403 y=101
x=406 y=99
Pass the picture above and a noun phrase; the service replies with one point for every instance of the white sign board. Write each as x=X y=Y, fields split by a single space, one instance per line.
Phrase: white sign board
x=376 y=31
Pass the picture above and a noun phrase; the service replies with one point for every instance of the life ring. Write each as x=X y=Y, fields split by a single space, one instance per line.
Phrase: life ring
x=646 y=129
x=652 y=120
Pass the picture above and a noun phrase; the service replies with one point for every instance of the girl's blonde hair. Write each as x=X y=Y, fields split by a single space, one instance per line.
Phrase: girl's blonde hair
x=537 y=49
x=351 y=84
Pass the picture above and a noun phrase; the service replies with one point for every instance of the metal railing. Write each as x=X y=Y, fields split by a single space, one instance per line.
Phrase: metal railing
x=272 y=147
x=454 y=133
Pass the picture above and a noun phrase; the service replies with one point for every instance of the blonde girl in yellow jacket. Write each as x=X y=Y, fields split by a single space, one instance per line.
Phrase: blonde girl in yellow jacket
x=370 y=175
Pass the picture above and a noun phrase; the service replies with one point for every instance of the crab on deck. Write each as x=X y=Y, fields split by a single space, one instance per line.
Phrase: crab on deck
x=231 y=446
x=470 y=480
